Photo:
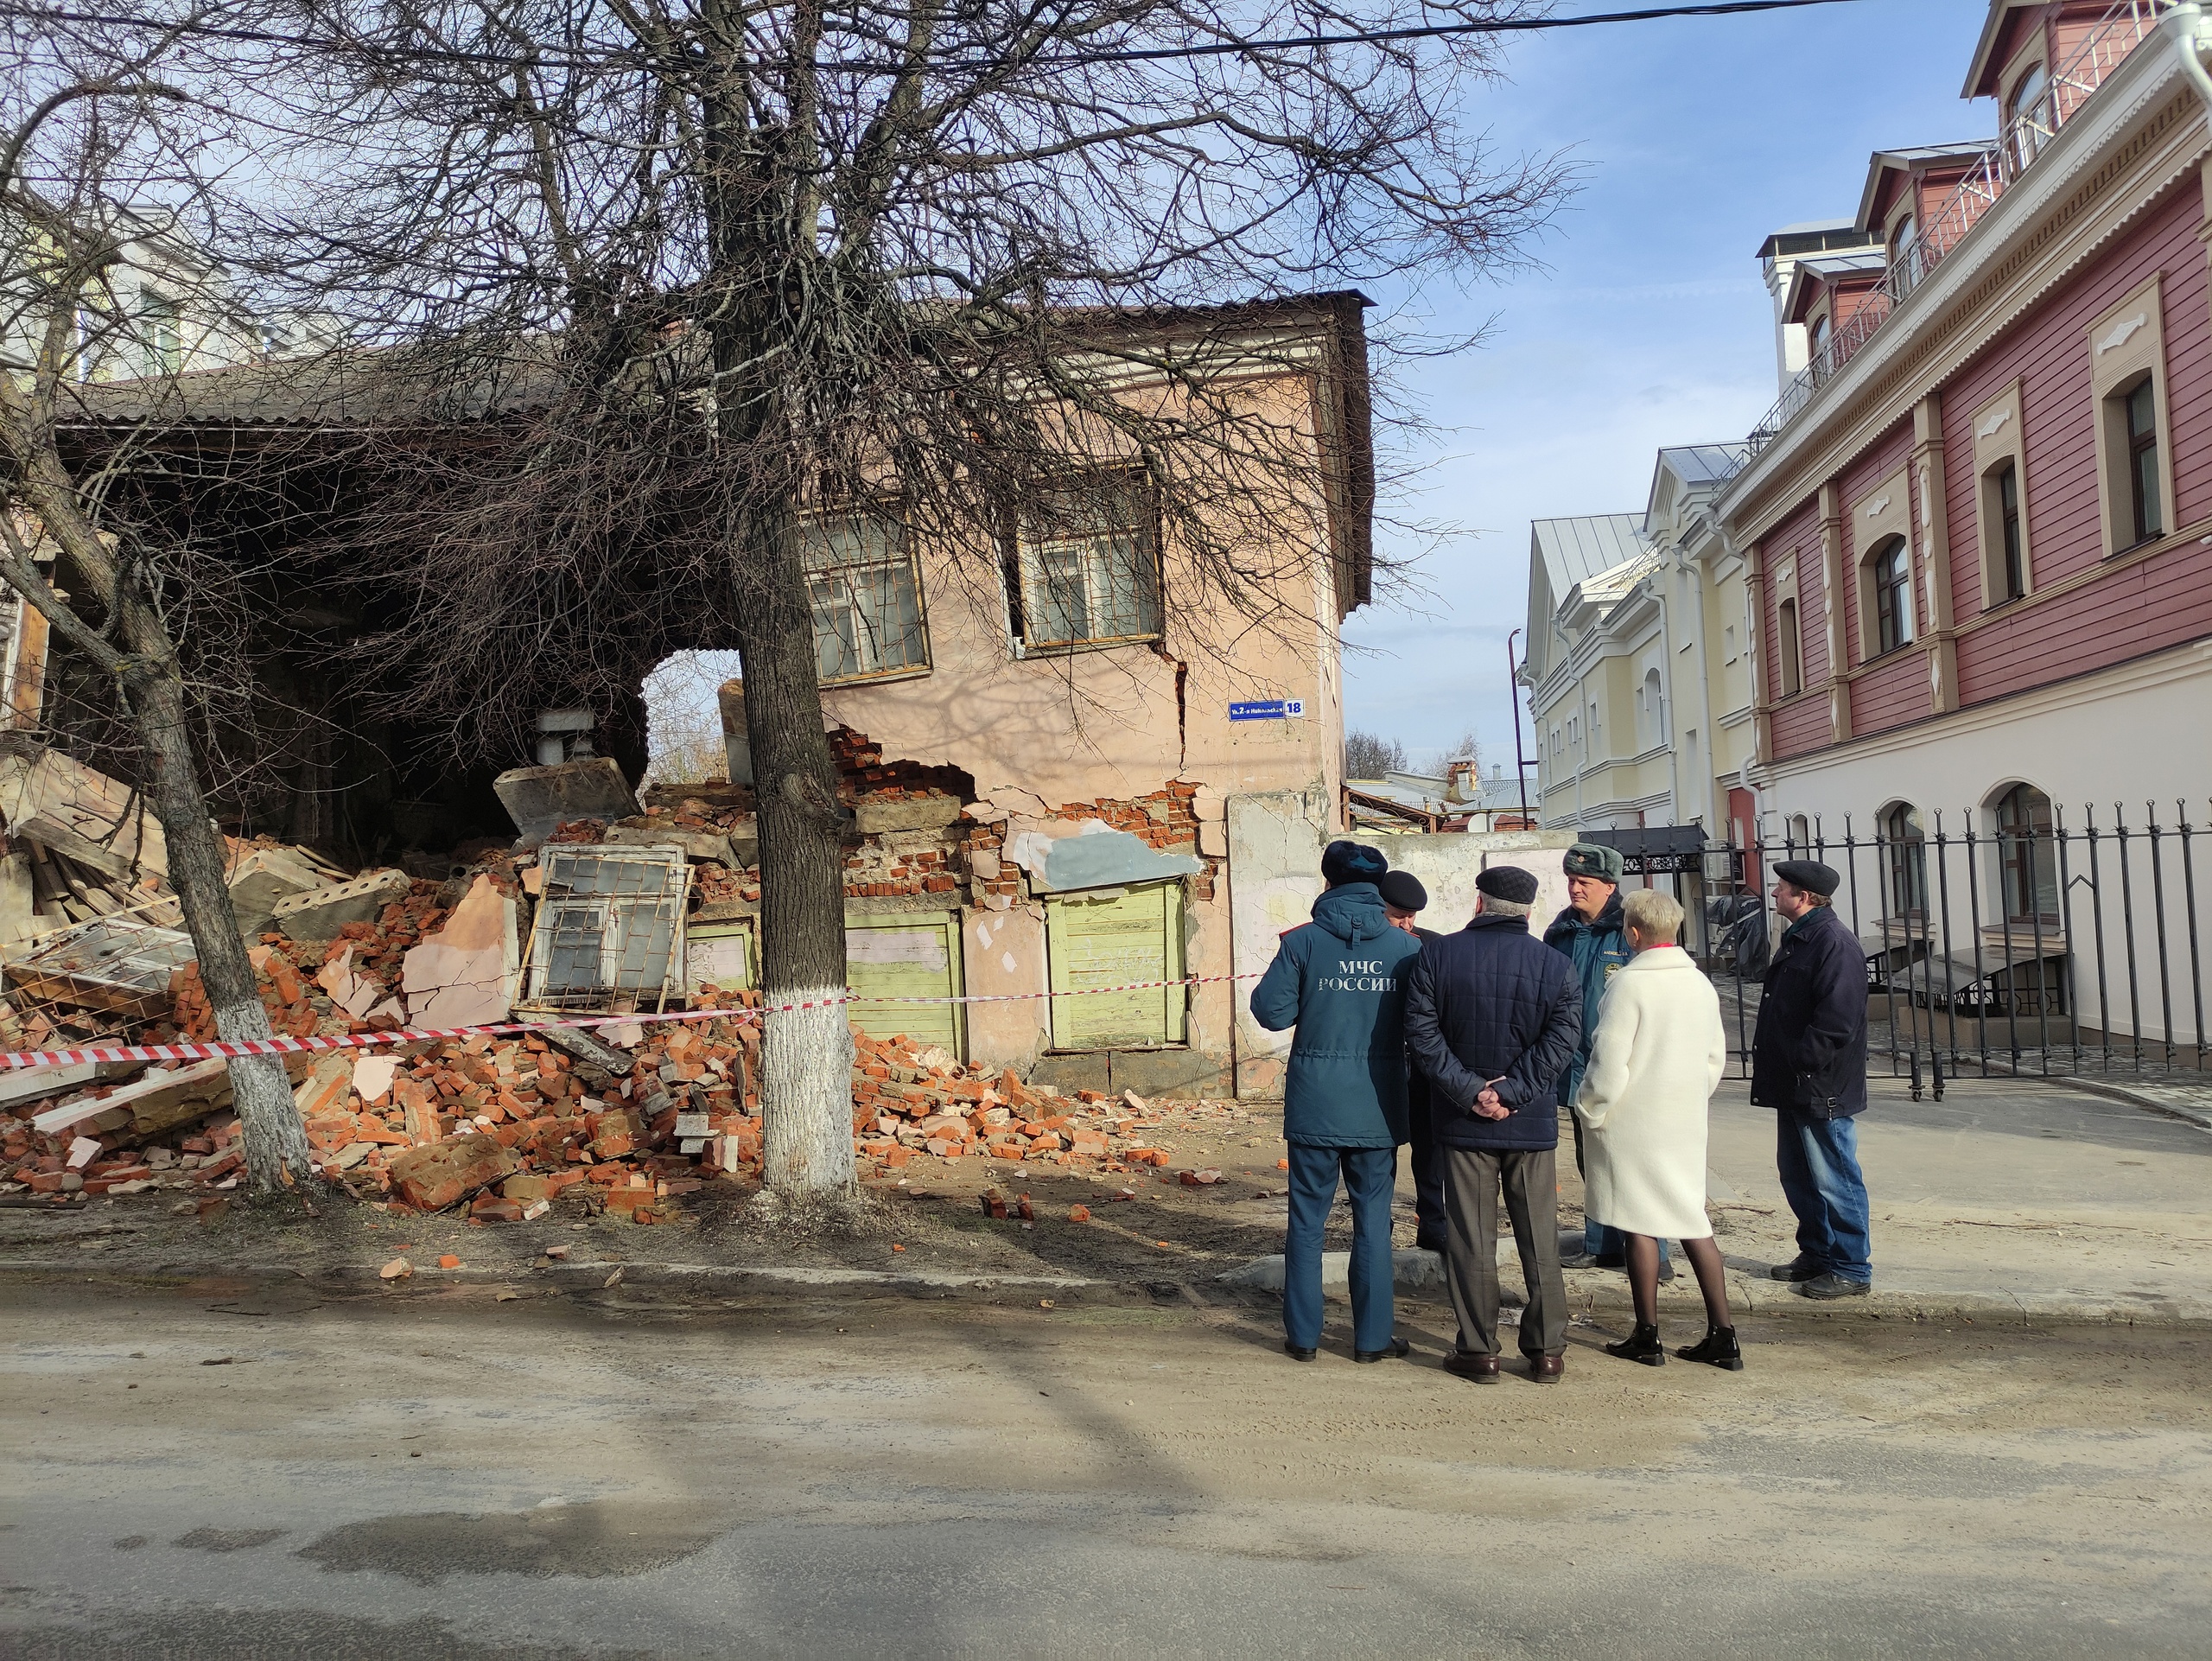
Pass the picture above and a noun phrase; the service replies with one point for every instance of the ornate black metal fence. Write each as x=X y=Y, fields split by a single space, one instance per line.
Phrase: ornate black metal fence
x=2014 y=938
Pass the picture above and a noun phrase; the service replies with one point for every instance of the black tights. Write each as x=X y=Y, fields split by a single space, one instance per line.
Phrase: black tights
x=1643 y=1278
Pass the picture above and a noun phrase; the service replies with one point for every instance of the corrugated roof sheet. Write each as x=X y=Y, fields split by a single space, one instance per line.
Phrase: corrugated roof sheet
x=1706 y=464
x=1575 y=549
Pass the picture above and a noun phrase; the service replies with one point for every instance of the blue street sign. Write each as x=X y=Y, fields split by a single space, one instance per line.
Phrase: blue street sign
x=1269 y=709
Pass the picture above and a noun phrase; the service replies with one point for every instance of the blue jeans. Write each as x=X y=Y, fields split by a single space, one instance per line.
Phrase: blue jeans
x=1370 y=1176
x=1818 y=1159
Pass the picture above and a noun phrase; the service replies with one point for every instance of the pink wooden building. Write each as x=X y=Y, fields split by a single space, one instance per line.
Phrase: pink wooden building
x=1979 y=520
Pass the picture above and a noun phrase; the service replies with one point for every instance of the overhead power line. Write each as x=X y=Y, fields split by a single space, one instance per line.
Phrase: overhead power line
x=867 y=68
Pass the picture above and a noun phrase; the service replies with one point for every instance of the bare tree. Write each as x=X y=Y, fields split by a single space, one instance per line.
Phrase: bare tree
x=101 y=165
x=1367 y=756
x=695 y=274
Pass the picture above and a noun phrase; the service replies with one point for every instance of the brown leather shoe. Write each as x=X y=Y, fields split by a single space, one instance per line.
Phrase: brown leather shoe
x=1464 y=1363
x=1547 y=1369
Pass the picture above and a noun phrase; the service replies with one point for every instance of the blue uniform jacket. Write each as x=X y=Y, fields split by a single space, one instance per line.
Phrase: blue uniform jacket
x=1340 y=980
x=1599 y=951
x=1809 y=1051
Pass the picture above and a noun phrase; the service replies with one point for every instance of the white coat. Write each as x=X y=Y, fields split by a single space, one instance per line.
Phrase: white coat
x=1659 y=1054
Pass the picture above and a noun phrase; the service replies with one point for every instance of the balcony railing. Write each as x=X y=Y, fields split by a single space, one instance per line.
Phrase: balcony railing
x=2017 y=144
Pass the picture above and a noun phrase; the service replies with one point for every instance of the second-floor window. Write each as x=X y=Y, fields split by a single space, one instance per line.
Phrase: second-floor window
x=2006 y=489
x=1816 y=345
x=2028 y=114
x=1087 y=572
x=160 y=325
x=867 y=602
x=2142 y=414
x=1793 y=646
x=1904 y=253
x=1892 y=574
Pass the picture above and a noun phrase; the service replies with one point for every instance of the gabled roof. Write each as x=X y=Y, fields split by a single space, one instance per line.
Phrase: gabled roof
x=1917 y=158
x=1575 y=549
x=1833 y=270
x=1694 y=465
x=1978 y=68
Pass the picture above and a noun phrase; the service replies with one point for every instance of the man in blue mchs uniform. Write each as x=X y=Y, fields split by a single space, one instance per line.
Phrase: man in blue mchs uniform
x=1594 y=937
x=1339 y=980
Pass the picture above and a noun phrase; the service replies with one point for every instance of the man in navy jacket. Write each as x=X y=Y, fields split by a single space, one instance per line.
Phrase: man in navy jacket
x=1808 y=1064
x=1492 y=1016
x=1340 y=980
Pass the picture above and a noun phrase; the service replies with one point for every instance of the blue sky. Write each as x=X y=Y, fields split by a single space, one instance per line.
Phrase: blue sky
x=1649 y=325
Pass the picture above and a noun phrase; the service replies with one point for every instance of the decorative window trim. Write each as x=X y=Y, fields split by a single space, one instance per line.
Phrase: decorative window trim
x=1885 y=511
x=1999 y=439
x=2125 y=344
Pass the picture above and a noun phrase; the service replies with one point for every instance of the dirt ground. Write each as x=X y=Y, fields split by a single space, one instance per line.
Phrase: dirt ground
x=247 y=1469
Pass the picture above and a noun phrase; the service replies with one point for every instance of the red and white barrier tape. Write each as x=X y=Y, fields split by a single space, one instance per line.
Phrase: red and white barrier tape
x=233 y=1049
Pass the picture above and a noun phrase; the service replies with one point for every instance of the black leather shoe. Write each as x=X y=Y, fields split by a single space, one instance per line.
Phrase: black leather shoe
x=1296 y=1353
x=1797 y=1269
x=1825 y=1287
x=1641 y=1344
x=1429 y=1242
x=1580 y=1260
x=1717 y=1348
x=1610 y=1260
x=1397 y=1347
x=1464 y=1363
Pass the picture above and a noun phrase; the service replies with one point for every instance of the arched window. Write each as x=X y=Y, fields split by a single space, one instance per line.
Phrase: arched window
x=1904 y=253
x=2029 y=856
x=1905 y=848
x=1816 y=347
x=1652 y=724
x=2028 y=115
x=1891 y=568
x=1800 y=834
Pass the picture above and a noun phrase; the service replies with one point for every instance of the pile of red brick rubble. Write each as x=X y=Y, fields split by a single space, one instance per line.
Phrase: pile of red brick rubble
x=619 y=1119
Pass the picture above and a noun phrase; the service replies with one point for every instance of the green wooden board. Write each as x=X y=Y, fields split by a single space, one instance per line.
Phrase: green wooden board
x=1135 y=934
x=910 y=955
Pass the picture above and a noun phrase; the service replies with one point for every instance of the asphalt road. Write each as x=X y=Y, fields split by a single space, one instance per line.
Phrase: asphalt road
x=222 y=1470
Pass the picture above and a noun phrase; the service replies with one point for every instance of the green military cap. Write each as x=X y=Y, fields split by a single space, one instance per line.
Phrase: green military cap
x=1594 y=859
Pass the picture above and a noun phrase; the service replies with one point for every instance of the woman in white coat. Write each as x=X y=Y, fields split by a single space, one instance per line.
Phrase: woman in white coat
x=1659 y=1054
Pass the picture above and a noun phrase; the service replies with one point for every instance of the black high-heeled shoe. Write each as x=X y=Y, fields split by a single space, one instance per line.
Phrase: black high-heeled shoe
x=1717 y=1348
x=1641 y=1344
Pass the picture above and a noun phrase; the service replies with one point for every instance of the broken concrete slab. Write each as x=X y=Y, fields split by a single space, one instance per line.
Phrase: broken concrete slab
x=933 y=811
x=540 y=798
x=355 y=994
x=695 y=844
x=319 y=914
x=1410 y=1271
x=463 y=975
x=262 y=879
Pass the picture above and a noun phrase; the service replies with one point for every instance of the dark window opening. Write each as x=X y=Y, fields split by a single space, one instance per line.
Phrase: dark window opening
x=1892 y=566
x=2143 y=463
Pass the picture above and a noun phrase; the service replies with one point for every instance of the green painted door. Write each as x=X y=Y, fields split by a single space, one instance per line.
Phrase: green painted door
x=906 y=955
x=1124 y=935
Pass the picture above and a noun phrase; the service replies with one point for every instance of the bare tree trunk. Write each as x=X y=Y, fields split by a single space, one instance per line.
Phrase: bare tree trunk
x=806 y=1055
x=276 y=1141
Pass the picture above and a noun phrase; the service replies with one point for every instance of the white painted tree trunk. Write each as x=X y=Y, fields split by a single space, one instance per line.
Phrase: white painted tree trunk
x=806 y=1069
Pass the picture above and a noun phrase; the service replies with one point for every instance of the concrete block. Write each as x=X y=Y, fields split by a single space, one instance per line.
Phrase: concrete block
x=737 y=741
x=1410 y=1271
x=931 y=812
x=317 y=914
x=538 y=799
x=261 y=880
x=695 y=844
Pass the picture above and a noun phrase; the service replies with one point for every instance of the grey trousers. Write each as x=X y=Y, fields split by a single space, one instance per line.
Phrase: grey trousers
x=1529 y=1176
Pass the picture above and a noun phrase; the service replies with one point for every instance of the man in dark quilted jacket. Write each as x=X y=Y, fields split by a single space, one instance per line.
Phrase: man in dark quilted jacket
x=1493 y=1015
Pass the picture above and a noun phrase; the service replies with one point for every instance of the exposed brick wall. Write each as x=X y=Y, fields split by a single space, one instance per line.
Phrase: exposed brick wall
x=861 y=771
x=1165 y=818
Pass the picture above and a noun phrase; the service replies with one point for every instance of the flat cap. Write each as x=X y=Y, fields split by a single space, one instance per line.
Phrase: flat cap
x=1594 y=859
x=1402 y=890
x=1810 y=876
x=1508 y=882
x=1352 y=862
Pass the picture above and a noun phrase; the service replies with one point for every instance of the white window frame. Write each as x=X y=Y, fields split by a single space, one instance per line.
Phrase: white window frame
x=1067 y=529
x=859 y=565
